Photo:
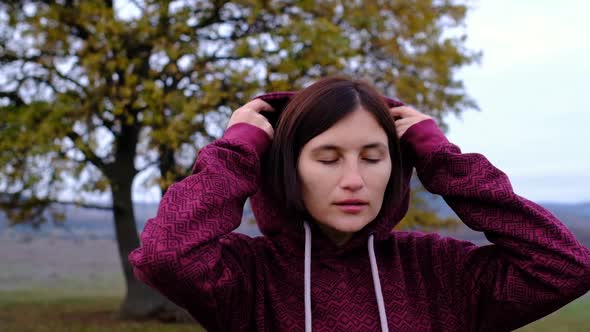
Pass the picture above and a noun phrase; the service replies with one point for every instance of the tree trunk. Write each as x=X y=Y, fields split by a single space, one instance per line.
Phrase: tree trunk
x=140 y=302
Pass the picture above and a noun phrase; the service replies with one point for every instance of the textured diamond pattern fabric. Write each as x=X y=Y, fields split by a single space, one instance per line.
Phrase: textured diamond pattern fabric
x=230 y=282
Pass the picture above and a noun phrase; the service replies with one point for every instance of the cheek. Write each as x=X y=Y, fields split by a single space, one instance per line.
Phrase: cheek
x=380 y=177
x=316 y=185
x=315 y=180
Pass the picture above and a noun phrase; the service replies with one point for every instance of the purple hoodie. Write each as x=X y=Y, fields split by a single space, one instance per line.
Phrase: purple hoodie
x=293 y=278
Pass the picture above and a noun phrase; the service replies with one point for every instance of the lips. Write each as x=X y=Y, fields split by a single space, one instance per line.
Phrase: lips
x=351 y=202
x=351 y=206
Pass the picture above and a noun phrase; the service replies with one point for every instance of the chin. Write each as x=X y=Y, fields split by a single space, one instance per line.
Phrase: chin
x=350 y=226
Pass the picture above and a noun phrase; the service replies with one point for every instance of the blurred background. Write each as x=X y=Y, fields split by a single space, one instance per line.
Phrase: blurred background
x=104 y=104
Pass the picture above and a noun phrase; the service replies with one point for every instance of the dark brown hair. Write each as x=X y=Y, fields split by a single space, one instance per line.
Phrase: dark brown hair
x=312 y=111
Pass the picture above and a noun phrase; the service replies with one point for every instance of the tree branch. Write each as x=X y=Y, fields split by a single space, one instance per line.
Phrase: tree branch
x=13 y=95
x=148 y=165
x=66 y=78
x=138 y=5
x=213 y=18
x=88 y=153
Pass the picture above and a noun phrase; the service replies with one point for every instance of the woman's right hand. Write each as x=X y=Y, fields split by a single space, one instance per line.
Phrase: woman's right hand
x=250 y=113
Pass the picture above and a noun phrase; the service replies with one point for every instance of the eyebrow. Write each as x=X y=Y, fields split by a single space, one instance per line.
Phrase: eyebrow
x=336 y=147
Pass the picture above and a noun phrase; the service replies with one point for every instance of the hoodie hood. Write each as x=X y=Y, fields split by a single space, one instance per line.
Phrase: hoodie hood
x=281 y=228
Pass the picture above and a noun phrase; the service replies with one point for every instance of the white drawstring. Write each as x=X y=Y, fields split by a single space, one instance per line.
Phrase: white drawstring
x=377 y=285
x=307 y=281
x=307 y=277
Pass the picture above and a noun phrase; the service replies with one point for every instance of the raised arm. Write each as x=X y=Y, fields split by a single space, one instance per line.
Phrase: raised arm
x=535 y=264
x=188 y=252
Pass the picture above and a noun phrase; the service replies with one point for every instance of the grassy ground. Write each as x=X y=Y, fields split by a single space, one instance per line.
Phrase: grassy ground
x=43 y=310
x=575 y=317
x=64 y=310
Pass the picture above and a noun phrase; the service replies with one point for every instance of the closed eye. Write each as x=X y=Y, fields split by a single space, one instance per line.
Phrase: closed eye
x=328 y=162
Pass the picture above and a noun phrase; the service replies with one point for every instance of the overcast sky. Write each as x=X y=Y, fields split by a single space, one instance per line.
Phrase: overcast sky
x=533 y=88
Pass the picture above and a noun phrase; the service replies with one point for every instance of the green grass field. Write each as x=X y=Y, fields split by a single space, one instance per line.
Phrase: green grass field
x=574 y=317
x=66 y=310
x=46 y=310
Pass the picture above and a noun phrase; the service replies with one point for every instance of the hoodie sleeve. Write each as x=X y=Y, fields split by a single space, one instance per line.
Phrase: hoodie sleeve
x=187 y=252
x=534 y=265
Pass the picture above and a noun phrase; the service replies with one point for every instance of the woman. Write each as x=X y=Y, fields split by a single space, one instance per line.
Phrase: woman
x=326 y=188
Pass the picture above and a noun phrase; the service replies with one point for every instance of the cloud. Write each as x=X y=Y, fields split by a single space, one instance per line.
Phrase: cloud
x=515 y=33
x=532 y=88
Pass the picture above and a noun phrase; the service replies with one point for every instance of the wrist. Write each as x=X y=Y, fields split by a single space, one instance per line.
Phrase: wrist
x=421 y=139
x=250 y=134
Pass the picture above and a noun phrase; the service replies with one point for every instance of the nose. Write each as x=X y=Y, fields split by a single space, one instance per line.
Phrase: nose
x=352 y=179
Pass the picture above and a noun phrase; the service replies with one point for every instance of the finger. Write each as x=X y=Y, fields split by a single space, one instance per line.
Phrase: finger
x=395 y=114
x=270 y=131
x=260 y=105
x=402 y=111
x=403 y=121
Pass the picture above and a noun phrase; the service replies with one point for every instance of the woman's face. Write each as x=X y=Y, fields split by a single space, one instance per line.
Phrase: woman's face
x=348 y=161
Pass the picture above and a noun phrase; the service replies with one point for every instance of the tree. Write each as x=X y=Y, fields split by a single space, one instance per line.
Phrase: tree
x=101 y=91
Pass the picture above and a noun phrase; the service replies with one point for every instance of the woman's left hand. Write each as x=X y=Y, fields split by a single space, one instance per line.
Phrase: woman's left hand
x=405 y=117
